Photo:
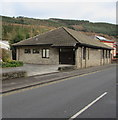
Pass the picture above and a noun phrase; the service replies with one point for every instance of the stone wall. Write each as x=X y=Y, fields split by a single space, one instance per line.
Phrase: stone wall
x=78 y=57
x=37 y=58
x=94 y=57
x=13 y=74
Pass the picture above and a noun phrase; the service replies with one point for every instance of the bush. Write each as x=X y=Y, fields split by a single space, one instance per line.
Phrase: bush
x=11 y=63
x=6 y=55
x=116 y=56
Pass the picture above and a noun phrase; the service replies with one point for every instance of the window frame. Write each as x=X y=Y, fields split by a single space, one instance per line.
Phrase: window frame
x=106 y=54
x=27 y=51
x=36 y=52
x=109 y=54
x=45 y=53
x=84 y=53
x=88 y=53
x=103 y=54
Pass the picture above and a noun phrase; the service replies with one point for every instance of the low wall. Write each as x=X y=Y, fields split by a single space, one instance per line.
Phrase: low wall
x=114 y=60
x=66 y=68
x=13 y=74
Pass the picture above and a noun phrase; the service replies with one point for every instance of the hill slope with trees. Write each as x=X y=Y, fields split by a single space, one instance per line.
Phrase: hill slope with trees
x=15 y=29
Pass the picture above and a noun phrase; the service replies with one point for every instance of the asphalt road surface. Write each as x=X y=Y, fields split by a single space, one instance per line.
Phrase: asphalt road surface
x=91 y=95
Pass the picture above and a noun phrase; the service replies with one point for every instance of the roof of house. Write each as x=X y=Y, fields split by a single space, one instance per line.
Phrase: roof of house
x=62 y=37
x=102 y=38
x=4 y=44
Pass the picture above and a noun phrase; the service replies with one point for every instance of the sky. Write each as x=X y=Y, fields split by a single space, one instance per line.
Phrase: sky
x=93 y=10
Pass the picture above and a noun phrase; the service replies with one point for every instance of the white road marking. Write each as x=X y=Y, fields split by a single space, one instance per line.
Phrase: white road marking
x=86 y=107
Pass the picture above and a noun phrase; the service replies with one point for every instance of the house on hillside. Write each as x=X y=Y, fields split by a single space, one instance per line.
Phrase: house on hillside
x=110 y=43
x=4 y=44
x=63 y=46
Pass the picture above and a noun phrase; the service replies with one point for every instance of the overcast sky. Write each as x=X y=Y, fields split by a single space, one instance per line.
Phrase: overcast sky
x=102 y=11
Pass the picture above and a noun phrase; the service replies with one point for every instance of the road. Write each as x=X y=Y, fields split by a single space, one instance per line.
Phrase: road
x=66 y=98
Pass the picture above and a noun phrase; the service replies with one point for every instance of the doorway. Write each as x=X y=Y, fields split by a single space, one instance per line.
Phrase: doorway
x=67 y=56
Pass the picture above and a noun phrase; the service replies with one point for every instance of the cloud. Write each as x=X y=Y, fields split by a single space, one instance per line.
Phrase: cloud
x=59 y=0
x=8 y=9
x=93 y=11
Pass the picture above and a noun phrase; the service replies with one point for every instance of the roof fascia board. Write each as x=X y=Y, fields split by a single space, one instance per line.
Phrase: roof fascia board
x=34 y=45
x=91 y=46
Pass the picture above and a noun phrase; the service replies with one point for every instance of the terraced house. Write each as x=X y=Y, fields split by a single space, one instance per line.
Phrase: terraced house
x=63 y=46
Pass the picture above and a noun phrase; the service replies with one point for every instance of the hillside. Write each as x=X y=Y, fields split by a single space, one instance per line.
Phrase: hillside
x=19 y=28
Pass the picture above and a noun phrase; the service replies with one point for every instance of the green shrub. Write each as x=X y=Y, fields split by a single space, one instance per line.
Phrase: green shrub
x=116 y=56
x=6 y=55
x=11 y=63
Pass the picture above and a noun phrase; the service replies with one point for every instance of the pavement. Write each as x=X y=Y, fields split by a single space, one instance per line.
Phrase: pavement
x=34 y=69
x=73 y=96
x=21 y=83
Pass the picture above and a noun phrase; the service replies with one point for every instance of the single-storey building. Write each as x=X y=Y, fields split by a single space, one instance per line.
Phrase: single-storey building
x=63 y=46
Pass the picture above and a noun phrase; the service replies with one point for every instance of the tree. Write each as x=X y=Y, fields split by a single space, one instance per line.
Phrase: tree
x=6 y=55
x=17 y=38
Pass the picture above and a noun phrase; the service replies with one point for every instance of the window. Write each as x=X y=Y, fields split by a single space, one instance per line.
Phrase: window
x=35 y=51
x=84 y=53
x=27 y=51
x=109 y=54
x=103 y=54
x=45 y=53
x=106 y=53
x=88 y=53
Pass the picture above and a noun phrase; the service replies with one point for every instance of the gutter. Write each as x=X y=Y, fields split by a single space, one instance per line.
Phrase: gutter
x=87 y=45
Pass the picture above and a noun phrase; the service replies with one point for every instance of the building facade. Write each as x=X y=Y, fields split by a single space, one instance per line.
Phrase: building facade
x=63 y=46
x=109 y=43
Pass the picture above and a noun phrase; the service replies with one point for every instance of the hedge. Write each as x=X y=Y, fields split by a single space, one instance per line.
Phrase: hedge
x=12 y=63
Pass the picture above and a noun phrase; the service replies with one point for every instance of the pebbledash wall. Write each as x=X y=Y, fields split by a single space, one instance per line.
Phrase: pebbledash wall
x=37 y=58
x=94 y=57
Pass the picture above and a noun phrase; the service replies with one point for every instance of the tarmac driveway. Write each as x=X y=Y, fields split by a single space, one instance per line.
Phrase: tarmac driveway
x=34 y=69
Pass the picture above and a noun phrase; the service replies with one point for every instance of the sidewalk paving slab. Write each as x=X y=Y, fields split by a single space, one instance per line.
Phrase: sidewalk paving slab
x=20 y=83
x=34 y=69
